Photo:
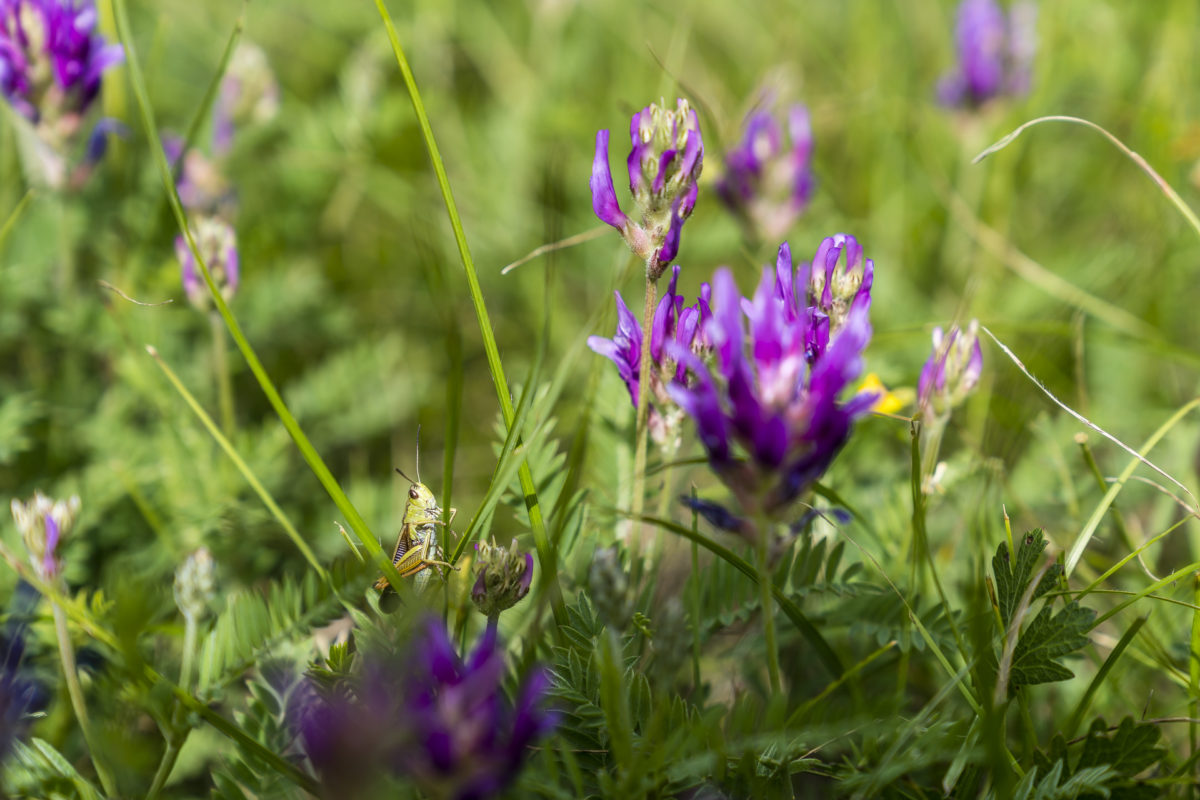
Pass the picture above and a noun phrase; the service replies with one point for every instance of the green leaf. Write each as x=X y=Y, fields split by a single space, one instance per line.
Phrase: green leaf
x=1013 y=576
x=1049 y=637
x=1130 y=750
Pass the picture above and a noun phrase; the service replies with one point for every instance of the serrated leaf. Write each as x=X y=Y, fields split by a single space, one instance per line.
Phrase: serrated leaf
x=1130 y=750
x=1049 y=637
x=1013 y=576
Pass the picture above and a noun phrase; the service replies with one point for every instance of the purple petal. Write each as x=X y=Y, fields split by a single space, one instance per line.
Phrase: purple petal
x=604 y=195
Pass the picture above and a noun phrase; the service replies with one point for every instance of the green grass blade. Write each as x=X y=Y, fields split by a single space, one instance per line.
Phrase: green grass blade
x=546 y=555
x=1098 y=679
x=353 y=518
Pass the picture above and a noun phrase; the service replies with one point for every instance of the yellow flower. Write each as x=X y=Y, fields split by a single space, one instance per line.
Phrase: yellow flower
x=888 y=403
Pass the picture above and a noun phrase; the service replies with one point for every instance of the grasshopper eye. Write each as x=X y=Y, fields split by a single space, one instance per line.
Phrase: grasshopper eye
x=413 y=493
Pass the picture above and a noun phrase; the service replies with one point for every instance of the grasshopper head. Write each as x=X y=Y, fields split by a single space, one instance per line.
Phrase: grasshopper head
x=422 y=506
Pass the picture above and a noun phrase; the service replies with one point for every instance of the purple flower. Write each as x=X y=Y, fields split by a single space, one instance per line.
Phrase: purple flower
x=995 y=53
x=768 y=181
x=952 y=371
x=435 y=719
x=840 y=278
x=198 y=179
x=249 y=94
x=773 y=388
x=217 y=243
x=664 y=166
x=18 y=695
x=43 y=524
x=673 y=329
x=51 y=59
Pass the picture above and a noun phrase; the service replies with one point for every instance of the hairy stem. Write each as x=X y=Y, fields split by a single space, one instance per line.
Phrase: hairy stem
x=643 y=413
x=768 y=606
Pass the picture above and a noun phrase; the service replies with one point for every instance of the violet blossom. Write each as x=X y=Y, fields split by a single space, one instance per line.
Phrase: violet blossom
x=768 y=178
x=432 y=718
x=43 y=524
x=780 y=368
x=249 y=94
x=51 y=61
x=674 y=328
x=952 y=371
x=217 y=243
x=664 y=166
x=995 y=53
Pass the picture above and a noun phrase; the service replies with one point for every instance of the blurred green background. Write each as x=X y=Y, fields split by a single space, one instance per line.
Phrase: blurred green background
x=355 y=300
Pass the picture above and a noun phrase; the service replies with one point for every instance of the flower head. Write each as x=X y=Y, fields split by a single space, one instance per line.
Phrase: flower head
x=43 y=524
x=505 y=576
x=51 y=60
x=952 y=371
x=249 y=94
x=768 y=179
x=199 y=181
x=774 y=387
x=217 y=243
x=674 y=328
x=436 y=719
x=664 y=166
x=995 y=53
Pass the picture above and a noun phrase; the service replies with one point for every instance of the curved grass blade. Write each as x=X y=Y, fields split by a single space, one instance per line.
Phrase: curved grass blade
x=537 y=523
x=1142 y=164
x=314 y=460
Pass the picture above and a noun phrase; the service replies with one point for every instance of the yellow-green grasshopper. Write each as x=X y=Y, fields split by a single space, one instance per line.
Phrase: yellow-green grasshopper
x=417 y=547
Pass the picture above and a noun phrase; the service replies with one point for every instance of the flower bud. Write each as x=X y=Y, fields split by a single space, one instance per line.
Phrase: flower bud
x=43 y=524
x=194 y=584
x=952 y=371
x=609 y=587
x=217 y=243
x=836 y=284
x=504 y=577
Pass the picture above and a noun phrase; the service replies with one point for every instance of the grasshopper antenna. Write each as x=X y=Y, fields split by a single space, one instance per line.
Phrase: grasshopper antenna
x=418 y=452
x=402 y=475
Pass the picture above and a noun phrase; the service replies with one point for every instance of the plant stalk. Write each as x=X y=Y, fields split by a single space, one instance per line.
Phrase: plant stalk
x=66 y=653
x=221 y=373
x=768 y=605
x=641 y=435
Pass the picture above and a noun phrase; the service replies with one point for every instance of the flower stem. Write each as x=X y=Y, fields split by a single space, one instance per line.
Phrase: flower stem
x=221 y=373
x=767 y=603
x=175 y=736
x=67 y=654
x=643 y=411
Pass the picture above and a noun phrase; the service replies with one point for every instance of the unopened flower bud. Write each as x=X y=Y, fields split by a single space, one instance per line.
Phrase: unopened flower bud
x=43 y=524
x=952 y=371
x=609 y=587
x=194 y=584
x=504 y=577
x=217 y=243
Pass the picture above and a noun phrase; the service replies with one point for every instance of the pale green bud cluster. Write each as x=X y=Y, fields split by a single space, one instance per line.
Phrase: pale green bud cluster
x=504 y=577
x=194 y=584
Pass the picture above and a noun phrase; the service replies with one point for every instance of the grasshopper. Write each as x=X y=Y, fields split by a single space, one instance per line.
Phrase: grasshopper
x=417 y=546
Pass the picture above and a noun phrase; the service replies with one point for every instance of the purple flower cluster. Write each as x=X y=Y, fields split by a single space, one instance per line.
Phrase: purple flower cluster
x=43 y=522
x=217 y=243
x=768 y=180
x=675 y=329
x=51 y=59
x=952 y=371
x=995 y=53
x=437 y=720
x=664 y=166
x=782 y=359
